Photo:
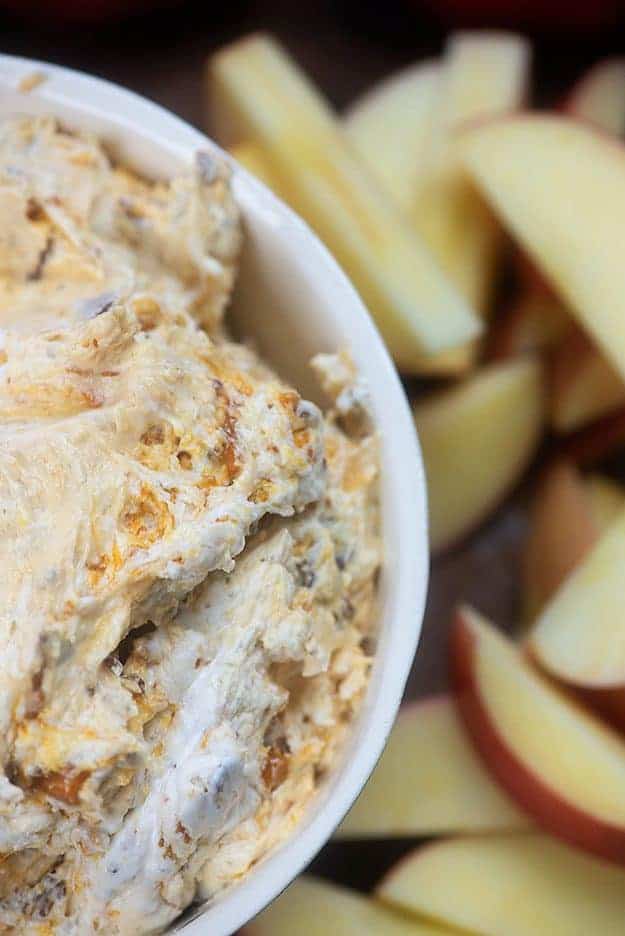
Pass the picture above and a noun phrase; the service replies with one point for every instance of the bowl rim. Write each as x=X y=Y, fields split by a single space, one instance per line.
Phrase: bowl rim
x=92 y=102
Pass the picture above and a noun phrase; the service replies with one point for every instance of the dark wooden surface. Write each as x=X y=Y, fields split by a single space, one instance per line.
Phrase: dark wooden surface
x=345 y=47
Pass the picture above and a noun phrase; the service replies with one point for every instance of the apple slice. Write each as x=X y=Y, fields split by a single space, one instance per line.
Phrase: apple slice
x=477 y=439
x=579 y=635
x=311 y=907
x=389 y=128
x=561 y=764
x=429 y=781
x=474 y=62
x=535 y=321
x=607 y=500
x=584 y=386
x=561 y=532
x=258 y=95
x=484 y=74
x=446 y=363
x=520 y=885
x=255 y=160
x=560 y=188
x=599 y=96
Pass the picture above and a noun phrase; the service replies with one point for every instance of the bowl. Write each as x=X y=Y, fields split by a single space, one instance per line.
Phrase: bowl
x=294 y=301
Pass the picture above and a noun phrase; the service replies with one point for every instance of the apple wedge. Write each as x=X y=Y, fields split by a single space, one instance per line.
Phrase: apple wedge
x=562 y=530
x=559 y=186
x=517 y=885
x=583 y=384
x=535 y=321
x=429 y=781
x=259 y=96
x=389 y=128
x=484 y=74
x=579 y=635
x=599 y=96
x=561 y=764
x=254 y=159
x=607 y=500
x=311 y=907
x=477 y=439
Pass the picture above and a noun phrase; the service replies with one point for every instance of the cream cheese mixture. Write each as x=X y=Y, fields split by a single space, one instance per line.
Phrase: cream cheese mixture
x=188 y=550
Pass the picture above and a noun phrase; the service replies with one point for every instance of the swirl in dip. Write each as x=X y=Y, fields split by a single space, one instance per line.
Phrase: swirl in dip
x=188 y=550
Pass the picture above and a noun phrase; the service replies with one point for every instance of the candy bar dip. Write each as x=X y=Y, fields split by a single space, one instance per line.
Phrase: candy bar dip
x=188 y=550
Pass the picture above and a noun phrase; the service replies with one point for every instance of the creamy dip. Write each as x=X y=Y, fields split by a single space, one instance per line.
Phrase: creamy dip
x=188 y=550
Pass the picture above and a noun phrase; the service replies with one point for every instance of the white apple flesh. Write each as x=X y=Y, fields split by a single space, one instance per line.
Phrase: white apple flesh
x=517 y=885
x=558 y=185
x=560 y=763
x=429 y=781
x=477 y=439
x=312 y=907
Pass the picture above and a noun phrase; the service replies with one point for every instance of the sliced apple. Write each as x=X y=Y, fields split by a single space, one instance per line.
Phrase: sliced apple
x=568 y=515
x=599 y=96
x=484 y=74
x=389 y=128
x=607 y=500
x=535 y=321
x=447 y=363
x=255 y=160
x=477 y=439
x=260 y=96
x=429 y=781
x=561 y=532
x=311 y=907
x=584 y=386
x=517 y=885
x=560 y=188
x=579 y=636
x=560 y=763
x=474 y=61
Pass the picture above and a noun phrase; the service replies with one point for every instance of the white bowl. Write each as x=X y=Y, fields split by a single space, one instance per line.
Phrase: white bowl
x=295 y=301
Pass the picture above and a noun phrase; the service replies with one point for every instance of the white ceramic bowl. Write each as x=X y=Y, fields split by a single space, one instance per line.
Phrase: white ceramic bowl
x=295 y=301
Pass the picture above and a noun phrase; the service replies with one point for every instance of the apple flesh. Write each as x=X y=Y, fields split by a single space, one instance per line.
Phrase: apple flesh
x=316 y=908
x=562 y=530
x=389 y=128
x=520 y=885
x=583 y=384
x=599 y=96
x=483 y=74
x=578 y=636
x=560 y=763
x=429 y=781
x=258 y=95
x=255 y=160
x=559 y=187
x=477 y=438
x=607 y=500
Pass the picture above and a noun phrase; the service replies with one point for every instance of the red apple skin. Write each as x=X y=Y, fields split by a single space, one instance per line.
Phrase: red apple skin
x=544 y=804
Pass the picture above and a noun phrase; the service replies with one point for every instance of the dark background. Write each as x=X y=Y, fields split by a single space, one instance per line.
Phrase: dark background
x=346 y=47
